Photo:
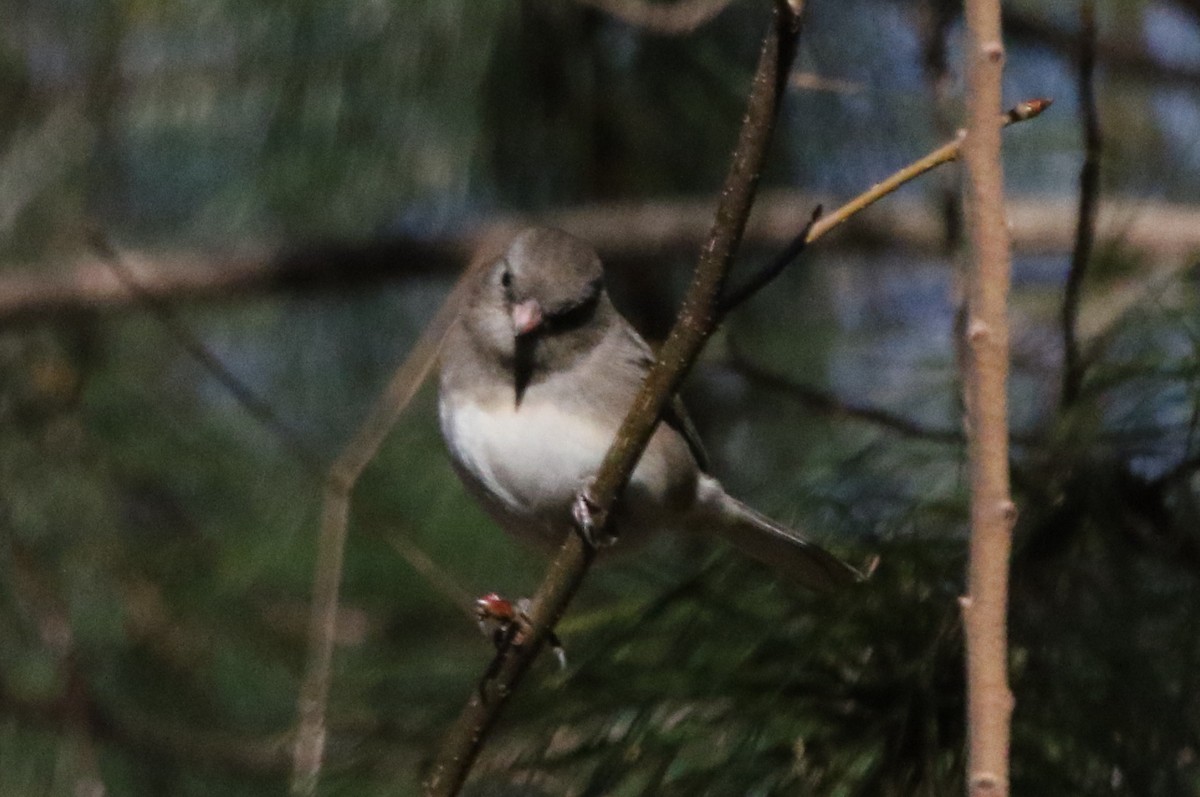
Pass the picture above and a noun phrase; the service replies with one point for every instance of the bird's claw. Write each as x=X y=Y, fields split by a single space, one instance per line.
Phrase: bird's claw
x=589 y=521
x=509 y=625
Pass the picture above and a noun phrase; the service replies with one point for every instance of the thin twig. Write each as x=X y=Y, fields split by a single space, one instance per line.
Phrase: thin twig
x=937 y=17
x=432 y=572
x=943 y=154
x=829 y=404
x=1074 y=366
x=257 y=406
x=760 y=280
x=818 y=225
x=693 y=326
x=836 y=407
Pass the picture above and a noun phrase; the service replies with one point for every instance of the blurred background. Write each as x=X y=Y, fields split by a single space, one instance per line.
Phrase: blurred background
x=224 y=224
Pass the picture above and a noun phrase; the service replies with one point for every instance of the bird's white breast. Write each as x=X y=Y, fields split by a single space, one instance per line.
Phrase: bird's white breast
x=533 y=457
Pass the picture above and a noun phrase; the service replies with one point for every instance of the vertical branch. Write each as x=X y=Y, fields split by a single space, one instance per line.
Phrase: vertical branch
x=989 y=701
x=696 y=321
x=1089 y=191
x=935 y=19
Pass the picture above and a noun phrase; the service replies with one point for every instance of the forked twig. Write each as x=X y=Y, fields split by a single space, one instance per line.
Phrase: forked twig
x=818 y=225
x=309 y=747
x=776 y=267
x=943 y=154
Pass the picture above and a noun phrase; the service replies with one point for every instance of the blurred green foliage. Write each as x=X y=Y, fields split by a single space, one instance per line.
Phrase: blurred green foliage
x=157 y=539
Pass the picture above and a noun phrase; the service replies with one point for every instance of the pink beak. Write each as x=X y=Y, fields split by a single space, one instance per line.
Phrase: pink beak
x=526 y=316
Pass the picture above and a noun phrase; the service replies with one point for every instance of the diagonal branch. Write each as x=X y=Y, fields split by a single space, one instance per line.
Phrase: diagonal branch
x=258 y=407
x=818 y=226
x=943 y=154
x=695 y=323
x=739 y=296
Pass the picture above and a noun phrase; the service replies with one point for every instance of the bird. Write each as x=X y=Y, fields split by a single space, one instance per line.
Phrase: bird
x=536 y=374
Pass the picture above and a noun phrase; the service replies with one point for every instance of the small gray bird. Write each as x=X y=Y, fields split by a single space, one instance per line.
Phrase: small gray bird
x=537 y=373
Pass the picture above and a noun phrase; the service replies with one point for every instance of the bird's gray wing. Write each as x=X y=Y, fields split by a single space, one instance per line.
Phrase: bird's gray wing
x=675 y=414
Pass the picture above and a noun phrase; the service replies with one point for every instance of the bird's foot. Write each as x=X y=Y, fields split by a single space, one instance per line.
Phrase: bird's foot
x=509 y=626
x=590 y=521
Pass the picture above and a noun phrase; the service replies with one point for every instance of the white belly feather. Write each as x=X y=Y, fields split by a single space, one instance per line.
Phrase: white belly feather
x=533 y=458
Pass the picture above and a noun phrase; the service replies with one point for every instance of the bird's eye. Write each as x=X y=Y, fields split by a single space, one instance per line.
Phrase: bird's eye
x=506 y=279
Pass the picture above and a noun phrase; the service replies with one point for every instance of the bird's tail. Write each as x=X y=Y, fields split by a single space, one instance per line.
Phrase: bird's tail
x=782 y=549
